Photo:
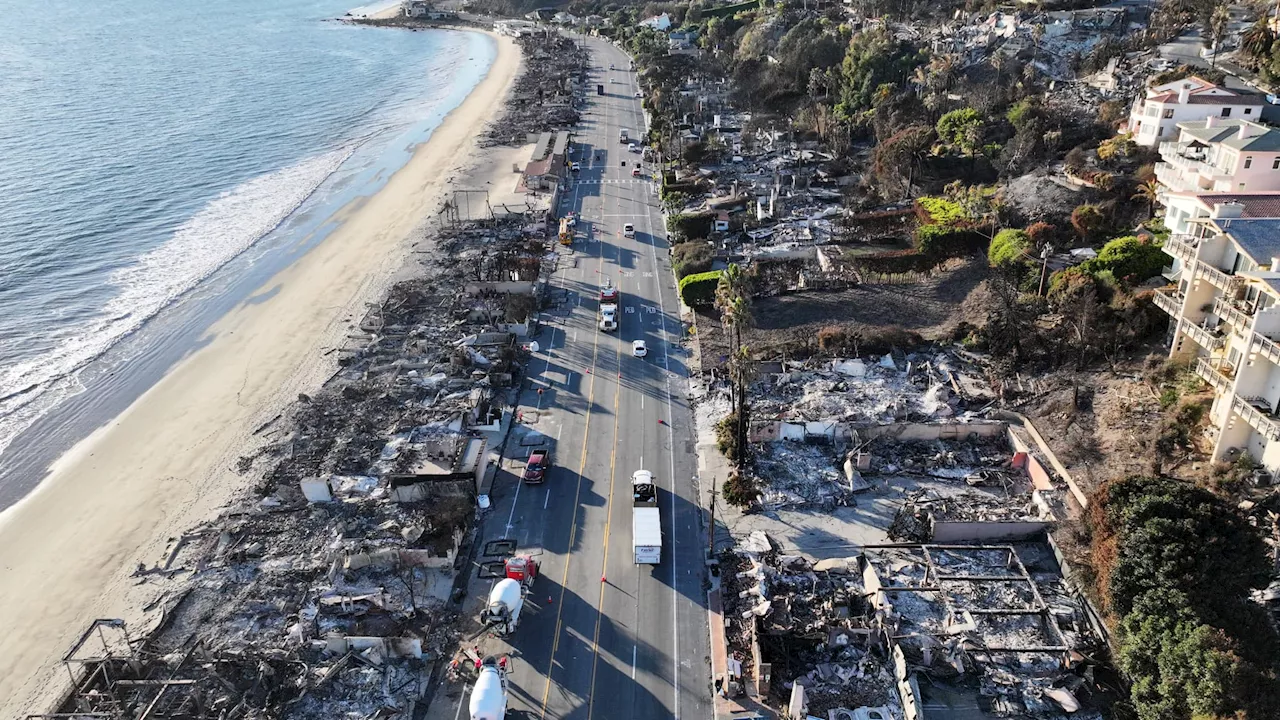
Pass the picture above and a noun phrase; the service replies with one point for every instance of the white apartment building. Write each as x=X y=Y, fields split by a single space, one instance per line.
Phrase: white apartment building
x=1217 y=155
x=1225 y=310
x=1155 y=118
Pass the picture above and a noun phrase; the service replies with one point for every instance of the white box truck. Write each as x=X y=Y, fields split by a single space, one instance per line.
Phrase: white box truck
x=646 y=523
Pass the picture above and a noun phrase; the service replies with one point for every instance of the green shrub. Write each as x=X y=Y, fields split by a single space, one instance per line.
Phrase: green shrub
x=1008 y=246
x=691 y=257
x=1176 y=566
x=692 y=226
x=727 y=436
x=699 y=289
x=1130 y=259
x=941 y=241
x=941 y=211
x=1088 y=220
x=740 y=491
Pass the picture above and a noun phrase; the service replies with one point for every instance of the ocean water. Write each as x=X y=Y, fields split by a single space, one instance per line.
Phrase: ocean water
x=156 y=154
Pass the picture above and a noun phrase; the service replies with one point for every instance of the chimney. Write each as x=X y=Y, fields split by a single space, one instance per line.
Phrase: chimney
x=1227 y=210
x=1248 y=130
x=1184 y=94
x=1208 y=123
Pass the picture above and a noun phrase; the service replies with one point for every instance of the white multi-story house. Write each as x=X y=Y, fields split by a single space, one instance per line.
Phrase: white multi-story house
x=1217 y=155
x=661 y=23
x=1183 y=210
x=1225 y=309
x=1155 y=118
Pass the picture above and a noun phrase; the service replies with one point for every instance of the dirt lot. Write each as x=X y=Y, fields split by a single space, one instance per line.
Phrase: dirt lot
x=1102 y=424
x=788 y=325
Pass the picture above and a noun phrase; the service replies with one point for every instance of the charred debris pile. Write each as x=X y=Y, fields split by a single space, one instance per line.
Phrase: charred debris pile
x=545 y=97
x=979 y=628
x=327 y=591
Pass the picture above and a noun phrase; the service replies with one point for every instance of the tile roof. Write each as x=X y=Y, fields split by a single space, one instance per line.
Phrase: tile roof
x=1259 y=239
x=1256 y=205
x=1224 y=100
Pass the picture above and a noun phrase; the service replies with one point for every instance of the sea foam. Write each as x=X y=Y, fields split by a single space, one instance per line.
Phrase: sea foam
x=216 y=234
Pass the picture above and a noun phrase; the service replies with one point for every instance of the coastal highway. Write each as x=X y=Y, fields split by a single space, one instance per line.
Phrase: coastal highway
x=604 y=637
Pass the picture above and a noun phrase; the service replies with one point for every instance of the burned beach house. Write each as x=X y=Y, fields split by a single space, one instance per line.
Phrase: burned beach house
x=325 y=591
x=897 y=559
x=916 y=631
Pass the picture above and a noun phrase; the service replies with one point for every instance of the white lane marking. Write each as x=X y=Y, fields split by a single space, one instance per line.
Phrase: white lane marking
x=514 y=501
x=666 y=364
x=458 y=713
x=633 y=664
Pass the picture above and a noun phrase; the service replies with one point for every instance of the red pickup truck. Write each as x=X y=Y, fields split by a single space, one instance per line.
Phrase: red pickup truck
x=535 y=470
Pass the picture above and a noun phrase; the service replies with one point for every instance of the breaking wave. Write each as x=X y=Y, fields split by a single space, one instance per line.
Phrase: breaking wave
x=216 y=234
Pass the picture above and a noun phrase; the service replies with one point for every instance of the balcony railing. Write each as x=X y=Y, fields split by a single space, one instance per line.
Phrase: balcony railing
x=1182 y=247
x=1170 y=302
x=1207 y=369
x=1167 y=174
x=1170 y=273
x=1208 y=339
x=1234 y=316
x=1260 y=420
x=1219 y=279
x=1266 y=347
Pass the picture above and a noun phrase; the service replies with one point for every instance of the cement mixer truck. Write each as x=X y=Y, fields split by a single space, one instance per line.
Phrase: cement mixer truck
x=489 y=696
x=502 y=614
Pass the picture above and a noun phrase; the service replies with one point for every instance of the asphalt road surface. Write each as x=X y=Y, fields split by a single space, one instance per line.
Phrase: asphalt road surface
x=604 y=637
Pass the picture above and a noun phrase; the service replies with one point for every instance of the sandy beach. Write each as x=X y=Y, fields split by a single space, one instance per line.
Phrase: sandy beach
x=167 y=463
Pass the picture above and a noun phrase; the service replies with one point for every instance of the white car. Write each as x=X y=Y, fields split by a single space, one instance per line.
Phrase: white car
x=575 y=167
x=629 y=230
x=639 y=349
x=639 y=94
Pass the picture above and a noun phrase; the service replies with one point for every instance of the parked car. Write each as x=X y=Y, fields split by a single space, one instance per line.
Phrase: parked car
x=575 y=167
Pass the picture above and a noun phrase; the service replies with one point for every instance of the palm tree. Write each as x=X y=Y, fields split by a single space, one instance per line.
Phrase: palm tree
x=1257 y=40
x=1218 y=30
x=734 y=301
x=1148 y=192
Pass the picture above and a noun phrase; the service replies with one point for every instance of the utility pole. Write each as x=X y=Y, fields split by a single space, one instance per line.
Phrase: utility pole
x=1044 y=268
x=711 y=527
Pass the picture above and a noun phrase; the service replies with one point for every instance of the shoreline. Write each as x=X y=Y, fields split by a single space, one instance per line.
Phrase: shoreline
x=168 y=461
